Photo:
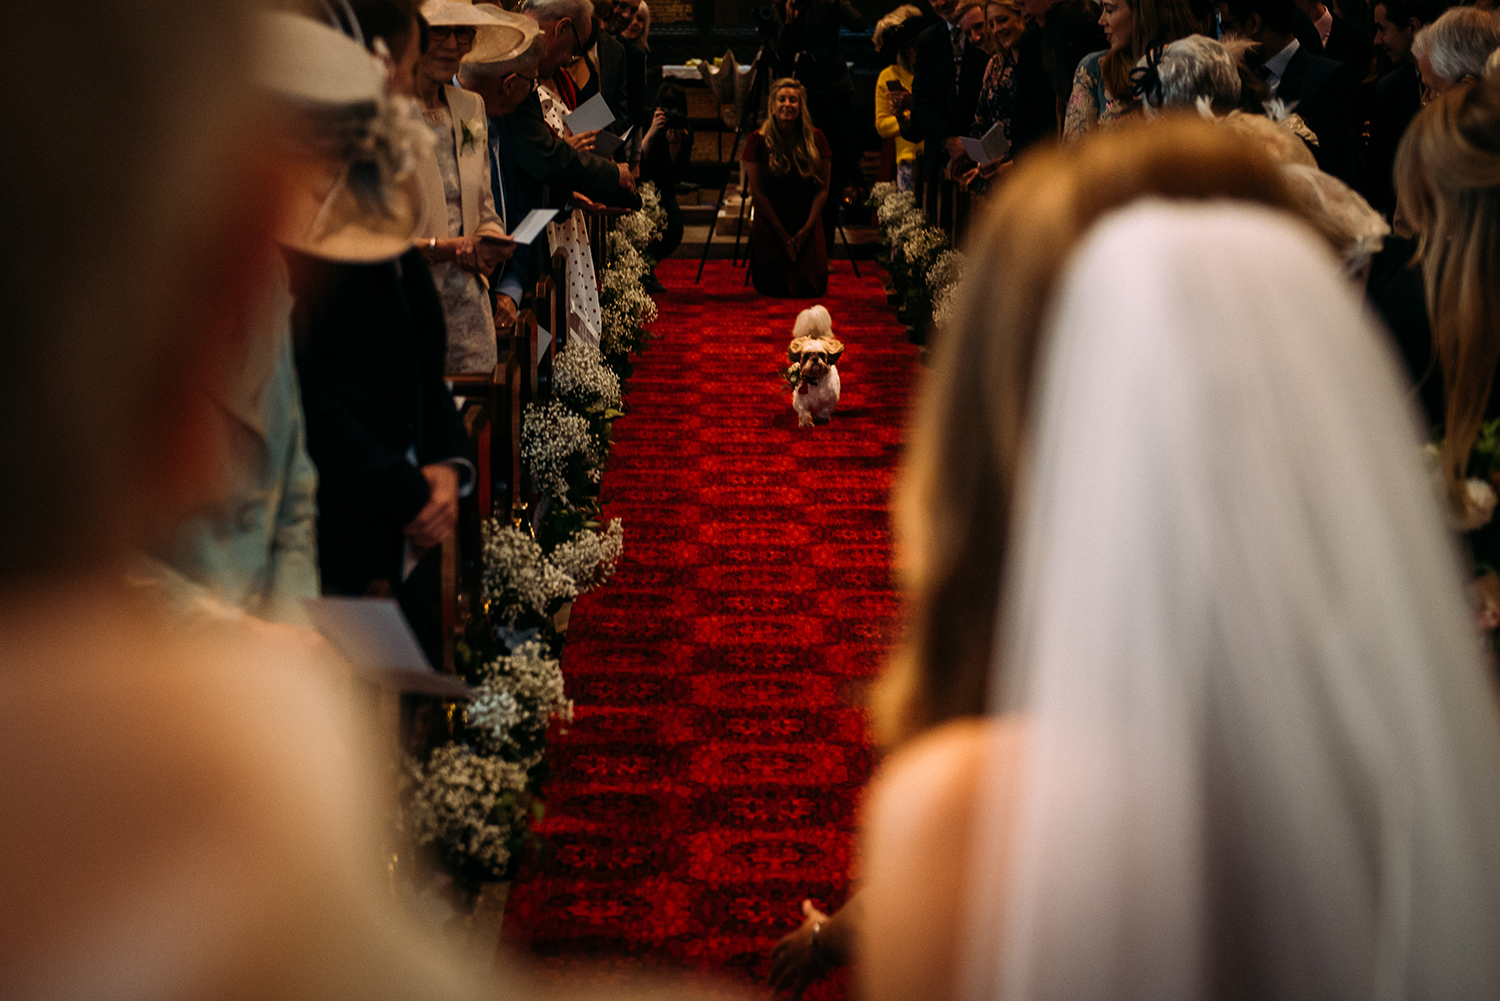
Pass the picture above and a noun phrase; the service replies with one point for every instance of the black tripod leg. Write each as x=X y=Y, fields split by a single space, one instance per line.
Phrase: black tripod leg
x=853 y=263
x=709 y=242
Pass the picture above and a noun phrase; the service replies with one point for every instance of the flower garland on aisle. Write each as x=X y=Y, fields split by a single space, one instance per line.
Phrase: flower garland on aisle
x=925 y=271
x=473 y=800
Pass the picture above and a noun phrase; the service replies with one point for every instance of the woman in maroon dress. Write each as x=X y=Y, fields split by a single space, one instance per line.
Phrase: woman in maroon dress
x=787 y=165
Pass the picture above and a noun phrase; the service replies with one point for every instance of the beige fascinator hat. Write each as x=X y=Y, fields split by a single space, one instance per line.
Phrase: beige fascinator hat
x=497 y=34
x=529 y=32
x=356 y=197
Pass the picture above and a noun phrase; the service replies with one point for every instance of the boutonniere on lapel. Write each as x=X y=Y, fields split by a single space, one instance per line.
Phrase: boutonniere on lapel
x=471 y=131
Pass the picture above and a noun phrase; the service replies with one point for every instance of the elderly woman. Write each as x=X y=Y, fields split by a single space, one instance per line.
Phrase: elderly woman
x=1454 y=48
x=1101 y=84
x=463 y=237
x=787 y=164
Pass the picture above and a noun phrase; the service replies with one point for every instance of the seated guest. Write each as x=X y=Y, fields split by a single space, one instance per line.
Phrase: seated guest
x=1324 y=90
x=1454 y=48
x=463 y=238
x=1175 y=792
x=666 y=158
x=948 y=75
x=391 y=452
x=786 y=164
x=503 y=79
x=1397 y=95
x=896 y=33
x=1101 y=84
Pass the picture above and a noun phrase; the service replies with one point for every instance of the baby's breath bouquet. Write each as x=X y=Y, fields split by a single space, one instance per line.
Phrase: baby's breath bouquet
x=472 y=809
x=562 y=451
x=648 y=222
x=519 y=695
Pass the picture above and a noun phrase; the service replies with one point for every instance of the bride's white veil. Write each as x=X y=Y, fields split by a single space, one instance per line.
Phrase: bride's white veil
x=1263 y=758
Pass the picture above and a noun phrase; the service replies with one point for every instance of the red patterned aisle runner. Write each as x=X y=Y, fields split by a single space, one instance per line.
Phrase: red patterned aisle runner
x=711 y=777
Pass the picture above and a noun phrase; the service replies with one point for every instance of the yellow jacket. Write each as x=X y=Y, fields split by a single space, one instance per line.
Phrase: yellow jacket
x=885 y=120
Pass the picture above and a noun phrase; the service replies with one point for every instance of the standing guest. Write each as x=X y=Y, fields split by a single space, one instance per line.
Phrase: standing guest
x=392 y=454
x=1397 y=96
x=666 y=158
x=1101 y=85
x=975 y=29
x=896 y=33
x=1448 y=185
x=808 y=47
x=1325 y=90
x=997 y=97
x=638 y=31
x=1454 y=48
x=949 y=73
x=462 y=238
x=1058 y=35
x=503 y=80
x=787 y=164
x=620 y=13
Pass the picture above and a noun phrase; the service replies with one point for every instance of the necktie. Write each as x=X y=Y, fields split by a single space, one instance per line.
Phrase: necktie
x=956 y=39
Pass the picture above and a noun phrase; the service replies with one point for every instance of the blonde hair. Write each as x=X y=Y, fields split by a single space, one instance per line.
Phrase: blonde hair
x=1448 y=187
x=798 y=152
x=953 y=495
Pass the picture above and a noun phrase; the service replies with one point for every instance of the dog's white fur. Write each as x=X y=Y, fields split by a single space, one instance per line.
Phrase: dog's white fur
x=815 y=352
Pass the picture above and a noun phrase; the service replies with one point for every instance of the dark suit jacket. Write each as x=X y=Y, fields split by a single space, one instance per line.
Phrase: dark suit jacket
x=1035 y=116
x=1326 y=93
x=813 y=35
x=1397 y=99
x=371 y=344
x=1347 y=46
x=1045 y=61
x=512 y=205
x=614 y=82
x=543 y=160
x=940 y=113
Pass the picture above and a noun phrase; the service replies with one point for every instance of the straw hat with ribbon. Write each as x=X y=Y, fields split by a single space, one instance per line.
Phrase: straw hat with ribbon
x=356 y=198
x=497 y=33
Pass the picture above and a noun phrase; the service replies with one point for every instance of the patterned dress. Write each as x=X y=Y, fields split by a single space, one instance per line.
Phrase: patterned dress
x=997 y=96
x=1090 y=104
x=571 y=238
x=466 y=304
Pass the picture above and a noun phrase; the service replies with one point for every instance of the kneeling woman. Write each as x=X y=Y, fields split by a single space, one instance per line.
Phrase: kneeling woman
x=786 y=165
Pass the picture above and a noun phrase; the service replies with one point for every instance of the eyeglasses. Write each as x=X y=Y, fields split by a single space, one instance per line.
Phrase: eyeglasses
x=532 y=83
x=441 y=33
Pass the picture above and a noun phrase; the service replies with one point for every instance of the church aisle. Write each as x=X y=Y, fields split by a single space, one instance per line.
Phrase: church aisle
x=711 y=777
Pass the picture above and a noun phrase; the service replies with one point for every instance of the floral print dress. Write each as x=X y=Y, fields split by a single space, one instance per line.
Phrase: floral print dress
x=997 y=97
x=571 y=237
x=1091 y=104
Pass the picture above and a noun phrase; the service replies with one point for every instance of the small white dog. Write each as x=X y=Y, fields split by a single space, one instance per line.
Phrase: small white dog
x=814 y=353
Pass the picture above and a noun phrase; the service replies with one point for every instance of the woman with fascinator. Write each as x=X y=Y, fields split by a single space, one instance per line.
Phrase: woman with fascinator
x=462 y=235
x=1102 y=90
x=787 y=164
x=1176 y=543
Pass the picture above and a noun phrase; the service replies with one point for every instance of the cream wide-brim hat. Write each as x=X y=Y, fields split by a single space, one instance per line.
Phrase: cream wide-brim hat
x=528 y=27
x=324 y=76
x=498 y=35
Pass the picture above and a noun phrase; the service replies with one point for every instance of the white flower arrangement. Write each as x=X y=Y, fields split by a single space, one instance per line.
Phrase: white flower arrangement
x=590 y=558
x=582 y=380
x=947 y=269
x=626 y=263
x=945 y=306
x=517 y=577
x=626 y=310
x=552 y=437
x=881 y=191
x=896 y=206
x=471 y=806
x=519 y=697
x=645 y=224
x=919 y=246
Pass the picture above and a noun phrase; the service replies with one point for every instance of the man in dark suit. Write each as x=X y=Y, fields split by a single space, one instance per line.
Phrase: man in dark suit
x=1060 y=34
x=949 y=73
x=1337 y=37
x=1322 y=90
x=391 y=452
x=1398 y=94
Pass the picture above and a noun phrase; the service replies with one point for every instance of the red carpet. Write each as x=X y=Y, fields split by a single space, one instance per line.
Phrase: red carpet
x=712 y=776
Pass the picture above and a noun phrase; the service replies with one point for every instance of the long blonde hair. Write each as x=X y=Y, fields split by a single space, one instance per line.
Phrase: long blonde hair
x=797 y=152
x=1448 y=187
x=953 y=495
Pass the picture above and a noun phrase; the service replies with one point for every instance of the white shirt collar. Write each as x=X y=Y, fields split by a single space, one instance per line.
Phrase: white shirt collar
x=1276 y=65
